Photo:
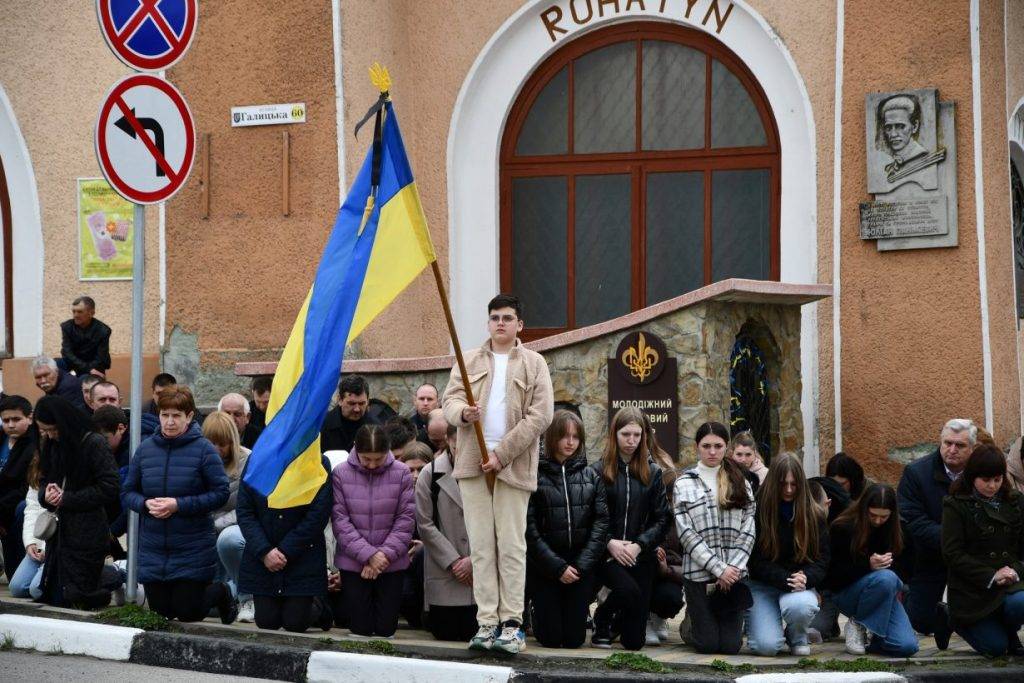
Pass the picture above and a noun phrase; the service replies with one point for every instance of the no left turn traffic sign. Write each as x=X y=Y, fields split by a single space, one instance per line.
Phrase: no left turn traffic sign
x=145 y=139
x=148 y=35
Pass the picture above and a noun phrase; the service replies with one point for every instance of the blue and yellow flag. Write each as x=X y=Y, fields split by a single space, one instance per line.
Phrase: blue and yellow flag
x=379 y=245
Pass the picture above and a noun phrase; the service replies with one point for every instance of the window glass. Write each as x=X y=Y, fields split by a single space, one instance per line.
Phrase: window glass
x=546 y=129
x=675 y=234
x=672 y=108
x=602 y=241
x=734 y=118
x=740 y=245
x=539 y=263
x=604 y=100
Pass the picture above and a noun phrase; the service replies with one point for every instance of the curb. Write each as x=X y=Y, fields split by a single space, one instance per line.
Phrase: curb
x=824 y=677
x=346 y=666
x=219 y=656
x=69 y=637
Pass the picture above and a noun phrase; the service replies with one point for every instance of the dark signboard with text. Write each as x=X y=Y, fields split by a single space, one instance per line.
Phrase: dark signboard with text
x=643 y=375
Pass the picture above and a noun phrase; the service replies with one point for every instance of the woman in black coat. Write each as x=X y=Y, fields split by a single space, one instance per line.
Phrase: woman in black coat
x=284 y=562
x=78 y=479
x=638 y=517
x=566 y=531
x=983 y=546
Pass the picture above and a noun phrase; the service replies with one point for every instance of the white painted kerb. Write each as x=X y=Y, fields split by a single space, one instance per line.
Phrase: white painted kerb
x=69 y=637
x=346 y=666
x=824 y=677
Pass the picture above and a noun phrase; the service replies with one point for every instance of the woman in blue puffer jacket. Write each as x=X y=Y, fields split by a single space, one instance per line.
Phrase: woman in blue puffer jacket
x=175 y=481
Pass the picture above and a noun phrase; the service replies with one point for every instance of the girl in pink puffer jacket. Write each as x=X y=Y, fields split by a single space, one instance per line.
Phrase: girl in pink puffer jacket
x=373 y=518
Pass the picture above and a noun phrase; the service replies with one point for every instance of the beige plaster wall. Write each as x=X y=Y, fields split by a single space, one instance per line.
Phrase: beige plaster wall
x=910 y=358
x=998 y=233
x=56 y=70
x=1013 y=41
x=238 y=278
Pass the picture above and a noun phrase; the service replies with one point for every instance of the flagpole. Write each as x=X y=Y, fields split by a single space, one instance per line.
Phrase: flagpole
x=462 y=368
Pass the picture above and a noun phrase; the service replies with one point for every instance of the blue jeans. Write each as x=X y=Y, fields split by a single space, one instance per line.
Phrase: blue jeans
x=991 y=635
x=26 y=579
x=771 y=607
x=230 y=546
x=871 y=601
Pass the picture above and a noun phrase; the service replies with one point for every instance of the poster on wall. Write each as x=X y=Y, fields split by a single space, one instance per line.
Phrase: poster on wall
x=105 y=232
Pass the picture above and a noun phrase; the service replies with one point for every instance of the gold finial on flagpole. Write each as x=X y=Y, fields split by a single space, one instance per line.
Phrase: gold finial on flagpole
x=380 y=77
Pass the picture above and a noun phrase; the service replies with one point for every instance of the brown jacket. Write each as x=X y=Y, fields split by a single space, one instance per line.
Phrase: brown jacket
x=529 y=407
x=444 y=539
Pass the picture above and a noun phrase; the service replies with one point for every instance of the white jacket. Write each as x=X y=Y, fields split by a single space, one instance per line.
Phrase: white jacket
x=32 y=511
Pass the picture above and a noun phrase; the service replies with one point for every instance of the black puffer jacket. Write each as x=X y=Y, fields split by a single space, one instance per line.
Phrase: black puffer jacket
x=637 y=512
x=567 y=521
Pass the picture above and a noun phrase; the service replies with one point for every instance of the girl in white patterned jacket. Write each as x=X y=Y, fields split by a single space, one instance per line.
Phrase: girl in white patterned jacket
x=714 y=511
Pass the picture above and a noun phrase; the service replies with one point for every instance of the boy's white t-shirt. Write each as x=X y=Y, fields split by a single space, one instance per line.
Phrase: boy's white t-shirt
x=494 y=415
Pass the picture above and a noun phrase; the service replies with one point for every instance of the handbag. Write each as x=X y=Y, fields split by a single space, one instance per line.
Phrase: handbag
x=46 y=522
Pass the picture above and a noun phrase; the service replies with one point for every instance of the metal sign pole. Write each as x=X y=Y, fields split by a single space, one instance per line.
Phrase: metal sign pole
x=135 y=427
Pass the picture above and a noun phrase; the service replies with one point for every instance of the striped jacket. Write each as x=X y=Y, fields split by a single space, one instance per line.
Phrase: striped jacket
x=711 y=538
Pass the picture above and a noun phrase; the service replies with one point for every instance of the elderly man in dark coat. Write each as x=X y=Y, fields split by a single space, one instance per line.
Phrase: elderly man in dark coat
x=922 y=487
x=85 y=341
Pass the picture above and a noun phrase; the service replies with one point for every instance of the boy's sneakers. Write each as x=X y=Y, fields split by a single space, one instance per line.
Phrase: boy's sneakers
x=484 y=638
x=247 y=612
x=800 y=650
x=512 y=639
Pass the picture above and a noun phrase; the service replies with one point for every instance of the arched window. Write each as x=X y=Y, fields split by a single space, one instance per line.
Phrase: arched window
x=639 y=162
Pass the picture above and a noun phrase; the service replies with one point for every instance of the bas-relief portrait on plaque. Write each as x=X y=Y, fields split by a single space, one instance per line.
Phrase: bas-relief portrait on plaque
x=911 y=171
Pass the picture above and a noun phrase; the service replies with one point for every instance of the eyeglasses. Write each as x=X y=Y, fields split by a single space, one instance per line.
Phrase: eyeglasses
x=507 y=319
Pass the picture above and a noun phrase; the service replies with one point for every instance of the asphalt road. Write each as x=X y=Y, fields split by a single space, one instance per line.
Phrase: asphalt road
x=43 y=668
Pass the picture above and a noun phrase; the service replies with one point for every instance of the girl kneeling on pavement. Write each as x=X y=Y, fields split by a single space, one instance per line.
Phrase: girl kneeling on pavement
x=983 y=545
x=175 y=481
x=790 y=559
x=714 y=511
x=282 y=564
x=866 y=542
x=373 y=517
x=566 y=532
x=638 y=517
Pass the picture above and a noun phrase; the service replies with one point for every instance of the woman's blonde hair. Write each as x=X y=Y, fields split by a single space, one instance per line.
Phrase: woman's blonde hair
x=638 y=465
x=219 y=429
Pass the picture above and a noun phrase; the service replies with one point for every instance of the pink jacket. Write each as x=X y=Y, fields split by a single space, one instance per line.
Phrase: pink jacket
x=373 y=510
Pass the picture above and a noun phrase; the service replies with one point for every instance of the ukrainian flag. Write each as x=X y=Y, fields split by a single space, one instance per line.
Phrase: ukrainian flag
x=379 y=244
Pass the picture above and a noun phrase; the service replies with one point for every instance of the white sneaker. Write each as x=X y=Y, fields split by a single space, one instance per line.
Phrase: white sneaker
x=856 y=635
x=511 y=641
x=651 y=639
x=140 y=595
x=246 y=612
x=800 y=650
x=660 y=627
x=484 y=638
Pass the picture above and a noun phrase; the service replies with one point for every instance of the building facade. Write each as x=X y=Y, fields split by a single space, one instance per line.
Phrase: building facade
x=595 y=156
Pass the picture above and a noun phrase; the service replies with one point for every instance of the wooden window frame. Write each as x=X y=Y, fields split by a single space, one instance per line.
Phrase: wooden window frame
x=636 y=163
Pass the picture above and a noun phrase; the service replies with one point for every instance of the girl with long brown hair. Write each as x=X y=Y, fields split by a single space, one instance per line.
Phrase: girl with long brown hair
x=789 y=561
x=638 y=518
x=866 y=542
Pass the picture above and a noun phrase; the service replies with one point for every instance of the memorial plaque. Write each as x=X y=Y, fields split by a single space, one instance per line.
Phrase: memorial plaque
x=908 y=218
x=911 y=171
x=643 y=375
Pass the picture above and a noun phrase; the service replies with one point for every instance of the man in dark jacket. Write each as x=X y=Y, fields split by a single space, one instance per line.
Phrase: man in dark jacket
x=260 y=400
x=425 y=400
x=921 y=489
x=52 y=380
x=17 y=447
x=85 y=341
x=344 y=420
